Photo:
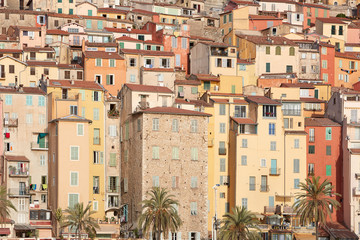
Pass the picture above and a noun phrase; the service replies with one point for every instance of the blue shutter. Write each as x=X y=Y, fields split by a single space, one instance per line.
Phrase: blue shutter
x=271 y=201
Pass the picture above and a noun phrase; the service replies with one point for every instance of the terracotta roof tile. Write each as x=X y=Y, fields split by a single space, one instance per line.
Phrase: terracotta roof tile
x=247 y=3
x=42 y=63
x=330 y=20
x=75 y=84
x=72 y=66
x=349 y=55
x=240 y=101
x=264 y=40
x=299 y=85
x=204 y=77
x=220 y=100
x=201 y=38
x=187 y=82
x=153 y=42
x=244 y=121
x=148 y=88
x=263 y=17
x=27 y=28
x=14 y=158
x=146 y=52
x=26 y=90
x=312 y=100
x=175 y=111
x=94 y=44
x=159 y=69
x=196 y=103
x=226 y=94
x=320 y=122
x=38 y=49
x=262 y=100
x=126 y=38
x=141 y=11
x=103 y=55
x=310 y=5
x=124 y=30
x=10 y=51
x=56 y=32
x=112 y=10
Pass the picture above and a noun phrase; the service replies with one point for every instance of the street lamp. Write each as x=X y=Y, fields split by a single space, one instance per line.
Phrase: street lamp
x=214 y=225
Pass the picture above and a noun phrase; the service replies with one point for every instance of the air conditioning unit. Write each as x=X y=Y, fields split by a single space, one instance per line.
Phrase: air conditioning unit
x=6 y=122
x=161 y=84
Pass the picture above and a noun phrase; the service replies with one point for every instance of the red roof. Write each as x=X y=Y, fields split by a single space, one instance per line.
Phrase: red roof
x=265 y=40
x=299 y=85
x=245 y=3
x=126 y=38
x=10 y=51
x=141 y=11
x=56 y=32
x=4 y=231
x=320 y=122
x=104 y=55
x=241 y=101
x=112 y=10
x=175 y=111
x=262 y=100
x=331 y=20
x=38 y=49
x=350 y=55
x=42 y=63
x=201 y=38
x=153 y=42
x=263 y=17
x=159 y=69
x=25 y=90
x=146 y=52
x=220 y=100
x=147 y=88
x=13 y=158
x=124 y=30
x=75 y=84
x=204 y=77
x=311 y=100
x=243 y=120
x=187 y=82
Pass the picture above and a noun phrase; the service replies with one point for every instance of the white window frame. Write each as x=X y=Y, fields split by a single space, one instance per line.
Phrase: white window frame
x=77 y=129
x=78 y=155
x=77 y=182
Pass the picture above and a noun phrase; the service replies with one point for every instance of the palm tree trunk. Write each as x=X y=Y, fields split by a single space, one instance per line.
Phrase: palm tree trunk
x=316 y=230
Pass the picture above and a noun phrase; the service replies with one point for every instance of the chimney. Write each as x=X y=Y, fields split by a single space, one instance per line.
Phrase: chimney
x=72 y=82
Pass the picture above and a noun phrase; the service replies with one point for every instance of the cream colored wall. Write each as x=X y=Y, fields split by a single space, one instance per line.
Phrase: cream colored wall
x=248 y=76
x=154 y=99
x=151 y=78
x=226 y=83
x=290 y=93
x=334 y=40
x=220 y=70
x=19 y=72
x=83 y=9
x=327 y=31
x=241 y=18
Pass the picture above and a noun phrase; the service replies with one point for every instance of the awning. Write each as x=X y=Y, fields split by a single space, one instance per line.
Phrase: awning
x=41 y=135
x=4 y=231
x=23 y=227
x=108 y=229
x=299 y=236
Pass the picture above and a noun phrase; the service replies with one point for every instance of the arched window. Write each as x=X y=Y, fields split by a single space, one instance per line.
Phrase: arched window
x=292 y=51
x=278 y=50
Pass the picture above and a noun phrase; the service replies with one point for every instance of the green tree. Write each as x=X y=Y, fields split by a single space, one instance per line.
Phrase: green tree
x=314 y=202
x=236 y=225
x=5 y=205
x=59 y=218
x=80 y=219
x=159 y=214
x=341 y=15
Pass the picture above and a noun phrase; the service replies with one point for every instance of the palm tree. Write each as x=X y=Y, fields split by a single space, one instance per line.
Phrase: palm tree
x=236 y=225
x=59 y=218
x=313 y=202
x=159 y=213
x=5 y=205
x=80 y=219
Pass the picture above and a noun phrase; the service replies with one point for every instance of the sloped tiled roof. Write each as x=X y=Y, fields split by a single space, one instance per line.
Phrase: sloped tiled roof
x=331 y=20
x=17 y=158
x=146 y=52
x=147 y=88
x=243 y=121
x=42 y=63
x=124 y=30
x=299 y=85
x=130 y=39
x=56 y=32
x=104 y=55
x=264 y=40
x=262 y=100
x=320 y=122
x=175 y=111
x=75 y=84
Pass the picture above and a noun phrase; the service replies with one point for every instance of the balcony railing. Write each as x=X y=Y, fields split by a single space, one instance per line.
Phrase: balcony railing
x=113 y=113
x=112 y=204
x=291 y=112
x=264 y=188
x=40 y=146
x=222 y=151
x=18 y=191
x=96 y=141
x=18 y=172
x=274 y=171
x=66 y=96
x=10 y=122
x=268 y=209
x=96 y=190
x=311 y=138
x=112 y=189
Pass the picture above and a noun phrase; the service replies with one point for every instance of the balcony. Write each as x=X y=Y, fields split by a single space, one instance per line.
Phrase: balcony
x=288 y=210
x=113 y=189
x=264 y=188
x=18 y=172
x=291 y=112
x=222 y=151
x=268 y=209
x=143 y=105
x=10 y=122
x=18 y=192
x=356 y=191
x=113 y=114
x=311 y=138
x=219 y=52
x=113 y=204
x=96 y=141
x=40 y=146
x=274 y=171
x=75 y=42
x=66 y=96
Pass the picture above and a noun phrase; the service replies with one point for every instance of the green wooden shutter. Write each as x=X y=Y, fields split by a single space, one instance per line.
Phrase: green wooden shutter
x=122 y=45
x=101 y=157
x=138 y=46
x=328 y=170
x=108 y=79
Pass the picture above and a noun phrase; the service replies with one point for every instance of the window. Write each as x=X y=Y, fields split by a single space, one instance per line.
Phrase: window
x=112 y=130
x=271 y=128
x=311 y=169
x=292 y=51
x=296 y=183
x=74 y=178
x=224 y=19
x=222 y=164
x=323 y=50
x=96 y=115
x=194 y=154
x=341 y=30
x=96 y=157
x=42 y=160
x=312 y=135
x=269 y=111
x=206 y=85
x=73 y=199
x=222 y=109
x=74 y=153
x=243 y=160
x=155 y=152
x=289 y=68
x=194 y=127
x=311 y=149
x=111 y=62
x=132 y=62
x=296 y=165
x=79 y=75
x=222 y=127
x=29 y=118
x=193 y=208
x=164 y=62
x=98 y=62
x=174 y=181
x=328 y=150
x=112 y=162
x=244 y=202
x=184 y=43
x=132 y=78
x=324 y=64
x=244 y=143
x=296 y=143
x=155 y=125
x=100 y=25
x=174 y=42
x=175 y=153
x=272 y=146
x=175 y=125
x=194 y=90
x=96 y=184
x=252 y=183
x=29 y=101
x=156 y=181
x=267 y=50
x=328 y=133
x=278 y=50
x=60 y=10
x=11 y=69
x=263 y=162
x=8 y=99
x=80 y=129
x=328 y=170
x=73 y=110
x=193 y=182
x=240 y=112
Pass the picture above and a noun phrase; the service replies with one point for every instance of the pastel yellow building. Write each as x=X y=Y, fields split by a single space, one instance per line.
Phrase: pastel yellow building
x=234 y=20
x=76 y=170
